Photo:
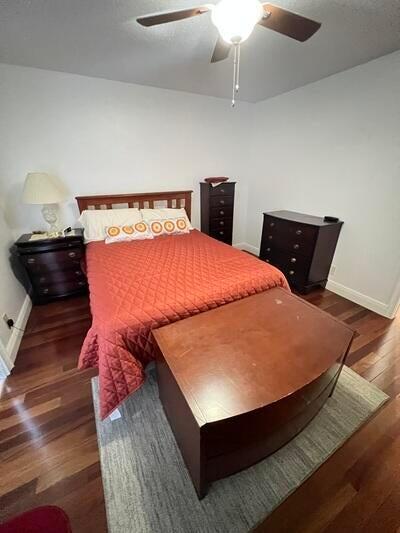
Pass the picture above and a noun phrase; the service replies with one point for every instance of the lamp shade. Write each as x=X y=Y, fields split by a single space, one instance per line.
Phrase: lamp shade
x=40 y=188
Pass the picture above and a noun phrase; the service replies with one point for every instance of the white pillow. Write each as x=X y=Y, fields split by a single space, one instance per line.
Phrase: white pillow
x=164 y=213
x=95 y=221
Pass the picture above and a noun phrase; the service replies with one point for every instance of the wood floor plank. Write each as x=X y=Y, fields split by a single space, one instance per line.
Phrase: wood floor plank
x=48 y=443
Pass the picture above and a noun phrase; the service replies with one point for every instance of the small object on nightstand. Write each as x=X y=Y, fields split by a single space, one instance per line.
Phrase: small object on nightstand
x=330 y=219
x=301 y=246
x=217 y=210
x=53 y=265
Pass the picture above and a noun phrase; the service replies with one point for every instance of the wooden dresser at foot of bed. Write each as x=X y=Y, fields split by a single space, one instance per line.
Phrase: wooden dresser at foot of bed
x=217 y=205
x=301 y=246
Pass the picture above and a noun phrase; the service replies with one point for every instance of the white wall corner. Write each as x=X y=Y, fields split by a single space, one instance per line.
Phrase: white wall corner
x=377 y=306
x=16 y=336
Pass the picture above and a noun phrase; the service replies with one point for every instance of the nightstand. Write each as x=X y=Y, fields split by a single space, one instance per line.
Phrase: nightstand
x=53 y=266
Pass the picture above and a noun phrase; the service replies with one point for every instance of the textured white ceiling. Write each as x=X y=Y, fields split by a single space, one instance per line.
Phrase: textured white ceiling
x=101 y=38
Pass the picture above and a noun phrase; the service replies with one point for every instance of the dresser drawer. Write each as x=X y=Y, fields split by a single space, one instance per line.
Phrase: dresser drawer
x=294 y=266
x=60 y=288
x=289 y=236
x=225 y=189
x=221 y=201
x=48 y=278
x=221 y=212
x=224 y=235
x=220 y=223
x=61 y=259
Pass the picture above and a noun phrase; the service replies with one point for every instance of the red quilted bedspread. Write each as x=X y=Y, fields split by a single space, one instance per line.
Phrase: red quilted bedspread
x=138 y=286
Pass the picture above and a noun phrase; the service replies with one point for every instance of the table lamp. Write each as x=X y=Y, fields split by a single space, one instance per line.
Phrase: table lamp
x=40 y=188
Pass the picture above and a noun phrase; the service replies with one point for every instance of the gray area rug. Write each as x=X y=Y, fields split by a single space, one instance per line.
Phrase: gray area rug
x=147 y=487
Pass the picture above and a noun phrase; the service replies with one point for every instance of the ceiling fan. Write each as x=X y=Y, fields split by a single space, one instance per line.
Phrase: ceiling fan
x=235 y=21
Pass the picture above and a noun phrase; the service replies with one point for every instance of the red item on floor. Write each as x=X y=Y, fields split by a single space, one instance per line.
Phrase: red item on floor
x=48 y=519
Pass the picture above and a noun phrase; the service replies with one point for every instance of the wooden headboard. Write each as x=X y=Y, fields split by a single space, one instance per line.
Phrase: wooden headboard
x=147 y=200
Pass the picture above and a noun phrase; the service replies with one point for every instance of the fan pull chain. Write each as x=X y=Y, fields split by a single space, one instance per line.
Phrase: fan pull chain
x=236 y=72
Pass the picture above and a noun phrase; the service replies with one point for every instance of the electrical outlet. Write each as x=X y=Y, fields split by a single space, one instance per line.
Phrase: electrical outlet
x=6 y=319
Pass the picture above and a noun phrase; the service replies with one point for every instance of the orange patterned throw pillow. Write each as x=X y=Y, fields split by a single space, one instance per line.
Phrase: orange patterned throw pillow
x=131 y=232
x=168 y=226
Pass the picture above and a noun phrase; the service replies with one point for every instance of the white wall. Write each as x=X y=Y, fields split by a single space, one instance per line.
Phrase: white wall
x=333 y=147
x=100 y=136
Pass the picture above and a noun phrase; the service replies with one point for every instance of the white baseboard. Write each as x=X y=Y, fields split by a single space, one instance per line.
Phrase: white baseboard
x=361 y=299
x=16 y=335
x=247 y=247
x=386 y=310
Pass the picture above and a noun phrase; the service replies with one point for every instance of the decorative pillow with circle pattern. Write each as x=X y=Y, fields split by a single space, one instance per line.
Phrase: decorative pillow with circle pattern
x=169 y=226
x=130 y=232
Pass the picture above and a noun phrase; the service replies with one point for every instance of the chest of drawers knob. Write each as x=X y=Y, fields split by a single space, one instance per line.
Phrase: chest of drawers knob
x=221 y=233
x=45 y=291
x=222 y=223
x=71 y=254
x=222 y=213
x=272 y=224
x=267 y=261
x=293 y=259
x=291 y=272
x=270 y=237
x=296 y=246
x=298 y=232
x=42 y=279
x=78 y=273
x=268 y=249
x=222 y=202
x=31 y=260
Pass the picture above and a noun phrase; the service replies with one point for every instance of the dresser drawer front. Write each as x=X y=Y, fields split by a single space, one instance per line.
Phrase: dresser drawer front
x=289 y=236
x=62 y=259
x=61 y=288
x=220 y=223
x=225 y=189
x=48 y=278
x=221 y=212
x=294 y=266
x=221 y=201
x=224 y=235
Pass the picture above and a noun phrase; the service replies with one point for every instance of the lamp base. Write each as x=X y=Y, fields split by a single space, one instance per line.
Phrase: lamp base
x=49 y=212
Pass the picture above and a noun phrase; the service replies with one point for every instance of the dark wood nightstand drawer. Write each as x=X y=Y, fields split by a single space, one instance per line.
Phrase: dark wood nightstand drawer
x=53 y=260
x=289 y=236
x=61 y=288
x=48 y=278
x=221 y=212
x=225 y=189
x=221 y=201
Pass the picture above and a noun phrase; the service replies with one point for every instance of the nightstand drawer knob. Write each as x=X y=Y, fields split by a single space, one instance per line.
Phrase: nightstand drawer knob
x=222 y=202
x=78 y=273
x=222 y=212
x=293 y=259
x=291 y=272
x=45 y=291
x=268 y=249
x=31 y=260
x=71 y=254
x=267 y=261
x=272 y=224
x=296 y=246
x=270 y=237
x=221 y=233
x=222 y=223
x=298 y=232
x=81 y=283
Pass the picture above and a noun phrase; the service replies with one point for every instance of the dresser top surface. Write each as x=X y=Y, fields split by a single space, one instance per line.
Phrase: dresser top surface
x=24 y=240
x=301 y=218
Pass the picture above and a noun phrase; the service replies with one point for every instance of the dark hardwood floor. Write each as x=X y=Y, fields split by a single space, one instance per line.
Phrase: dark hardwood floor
x=48 y=446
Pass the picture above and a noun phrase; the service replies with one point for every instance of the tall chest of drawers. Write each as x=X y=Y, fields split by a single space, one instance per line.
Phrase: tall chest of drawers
x=53 y=266
x=301 y=246
x=217 y=204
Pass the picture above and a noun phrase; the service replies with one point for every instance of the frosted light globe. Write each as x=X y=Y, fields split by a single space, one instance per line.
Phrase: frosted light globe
x=235 y=19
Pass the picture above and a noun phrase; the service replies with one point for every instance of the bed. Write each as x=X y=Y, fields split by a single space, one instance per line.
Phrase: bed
x=136 y=287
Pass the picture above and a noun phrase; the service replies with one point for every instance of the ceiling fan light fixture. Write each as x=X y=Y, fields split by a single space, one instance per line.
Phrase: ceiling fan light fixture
x=235 y=19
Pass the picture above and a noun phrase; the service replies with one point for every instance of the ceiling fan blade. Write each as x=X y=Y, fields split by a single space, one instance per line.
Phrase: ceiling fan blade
x=288 y=23
x=221 y=51
x=171 y=16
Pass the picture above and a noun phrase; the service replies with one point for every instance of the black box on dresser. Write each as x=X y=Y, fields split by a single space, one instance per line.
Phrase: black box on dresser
x=217 y=204
x=53 y=266
x=301 y=246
